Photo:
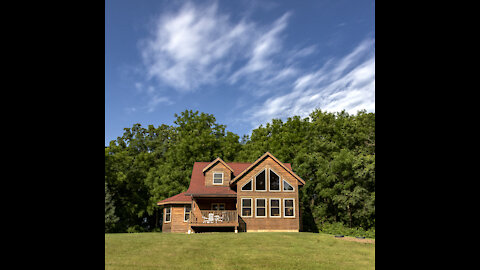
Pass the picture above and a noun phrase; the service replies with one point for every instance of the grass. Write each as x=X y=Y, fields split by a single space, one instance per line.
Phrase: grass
x=235 y=251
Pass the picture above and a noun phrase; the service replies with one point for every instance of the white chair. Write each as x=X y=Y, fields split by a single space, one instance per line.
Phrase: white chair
x=210 y=218
x=205 y=219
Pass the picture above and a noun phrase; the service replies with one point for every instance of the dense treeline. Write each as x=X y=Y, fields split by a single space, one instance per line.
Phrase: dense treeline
x=333 y=152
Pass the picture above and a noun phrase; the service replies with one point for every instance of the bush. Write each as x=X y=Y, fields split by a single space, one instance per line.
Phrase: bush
x=339 y=228
x=135 y=229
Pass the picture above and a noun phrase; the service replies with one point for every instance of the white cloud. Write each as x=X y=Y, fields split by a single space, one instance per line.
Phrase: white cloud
x=345 y=84
x=197 y=46
x=192 y=47
x=155 y=100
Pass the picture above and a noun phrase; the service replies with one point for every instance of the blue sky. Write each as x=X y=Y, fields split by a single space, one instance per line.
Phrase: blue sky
x=243 y=61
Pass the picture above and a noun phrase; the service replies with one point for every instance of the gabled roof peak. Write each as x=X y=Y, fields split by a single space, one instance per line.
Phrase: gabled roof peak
x=260 y=159
x=218 y=159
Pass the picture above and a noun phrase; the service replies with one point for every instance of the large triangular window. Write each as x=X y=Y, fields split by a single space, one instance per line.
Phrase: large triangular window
x=247 y=186
x=287 y=186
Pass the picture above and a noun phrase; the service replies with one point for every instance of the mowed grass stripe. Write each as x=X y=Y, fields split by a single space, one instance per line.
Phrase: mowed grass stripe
x=235 y=251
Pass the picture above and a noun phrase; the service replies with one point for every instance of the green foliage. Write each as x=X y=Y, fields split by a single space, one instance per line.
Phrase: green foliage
x=333 y=152
x=338 y=228
x=110 y=217
x=135 y=229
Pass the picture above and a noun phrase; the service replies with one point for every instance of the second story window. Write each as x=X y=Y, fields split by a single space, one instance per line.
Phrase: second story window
x=217 y=178
x=274 y=181
x=260 y=182
x=247 y=186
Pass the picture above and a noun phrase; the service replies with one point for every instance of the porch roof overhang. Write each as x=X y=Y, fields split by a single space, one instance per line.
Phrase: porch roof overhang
x=181 y=198
x=214 y=195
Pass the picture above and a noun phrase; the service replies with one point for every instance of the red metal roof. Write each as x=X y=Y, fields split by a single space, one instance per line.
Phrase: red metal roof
x=197 y=183
x=177 y=199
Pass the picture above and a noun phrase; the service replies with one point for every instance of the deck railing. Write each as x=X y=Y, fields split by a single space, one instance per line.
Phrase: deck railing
x=214 y=217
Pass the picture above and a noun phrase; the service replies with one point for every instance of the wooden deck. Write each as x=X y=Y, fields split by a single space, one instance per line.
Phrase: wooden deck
x=215 y=218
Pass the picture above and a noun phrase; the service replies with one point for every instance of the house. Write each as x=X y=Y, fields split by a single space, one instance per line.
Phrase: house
x=249 y=197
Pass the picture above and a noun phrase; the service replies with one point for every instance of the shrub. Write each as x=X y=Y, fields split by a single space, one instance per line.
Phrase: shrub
x=339 y=228
x=135 y=229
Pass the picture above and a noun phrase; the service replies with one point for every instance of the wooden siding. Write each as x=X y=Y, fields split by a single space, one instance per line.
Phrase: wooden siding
x=218 y=168
x=176 y=225
x=268 y=223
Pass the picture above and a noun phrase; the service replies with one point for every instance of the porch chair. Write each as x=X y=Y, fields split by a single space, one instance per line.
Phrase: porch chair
x=210 y=218
x=205 y=219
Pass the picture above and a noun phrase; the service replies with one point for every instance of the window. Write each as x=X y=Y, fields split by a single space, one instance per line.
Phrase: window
x=287 y=186
x=261 y=207
x=274 y=181
x=186 y=212
x=217 y=178
x=274 y=207
x=260 y=184
x=246 y=207
x=289 y=207
x=168 y=214
x=247 y=186
x=218 y=206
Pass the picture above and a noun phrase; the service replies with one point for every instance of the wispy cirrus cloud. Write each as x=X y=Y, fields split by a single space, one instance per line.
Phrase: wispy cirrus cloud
x=198 y=46
x=193 y=46
x=346 y=84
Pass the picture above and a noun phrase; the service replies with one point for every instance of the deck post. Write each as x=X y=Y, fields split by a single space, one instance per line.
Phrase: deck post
x=236 y=231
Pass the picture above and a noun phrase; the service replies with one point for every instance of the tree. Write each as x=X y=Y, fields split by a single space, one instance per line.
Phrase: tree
x=110 y=217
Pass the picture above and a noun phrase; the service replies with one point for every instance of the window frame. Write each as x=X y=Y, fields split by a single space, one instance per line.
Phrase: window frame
x=284 y=208
x=165 y=216
x=266 y=181
x=251 y=207
x=185 y=212
x=279 y=208
x=213 y=178
x=279 y=181
x=283 y=186
x=266 y=208
x=251 y=181
x=212 y=204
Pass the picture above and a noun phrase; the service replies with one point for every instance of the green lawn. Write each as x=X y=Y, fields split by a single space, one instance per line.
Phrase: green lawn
x=235 y=251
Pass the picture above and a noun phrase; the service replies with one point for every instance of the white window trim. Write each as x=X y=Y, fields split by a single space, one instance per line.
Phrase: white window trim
x=266 y=181
x=266 y=208
x=251 y=206
x=241 y=188
x=279 y=207
x=213 y=178
x=284 y=208
x=165 y=216
x=185 y=211
x=289 y=184
x=279 y=181
x=211 y=206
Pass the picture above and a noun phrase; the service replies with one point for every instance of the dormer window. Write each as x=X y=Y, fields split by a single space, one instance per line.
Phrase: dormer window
x=218 y=178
